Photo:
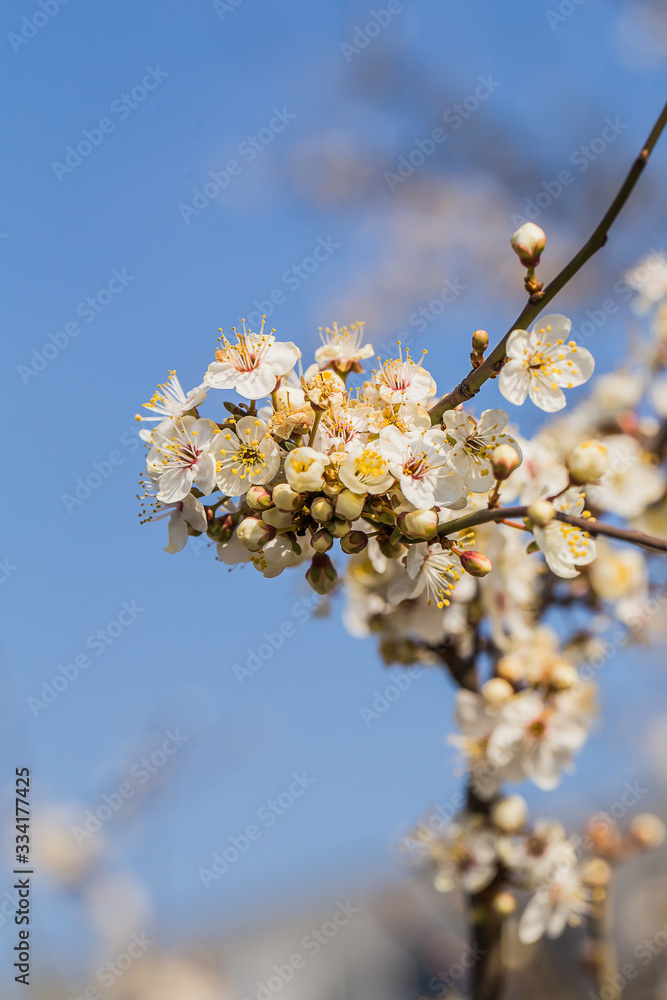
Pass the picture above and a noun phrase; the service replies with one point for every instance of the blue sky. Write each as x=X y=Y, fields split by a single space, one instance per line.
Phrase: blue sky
x=111 y=283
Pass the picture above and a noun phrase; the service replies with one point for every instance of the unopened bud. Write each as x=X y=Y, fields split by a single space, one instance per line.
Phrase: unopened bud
x=279 y=519
x=647 y=830
x=504 y=903
x=285 y=498
x=322 y=575
x=419 y=523
x=588 y=462
x=476 y=563
x=497 y=690
x=321 y=510
x=355 y=541
x=259 y=498
x=389 y=550
x=504 y=460
x=528 y=242
x=563 y=676
x=253 y=533
x=221 y=529
x=322 y=540
x=511 y=668
x=349 y=505
x=541 y=512
x=480 y=341
x=339 y=528
x=510 y=814
x=280 y=553
x=597 y=872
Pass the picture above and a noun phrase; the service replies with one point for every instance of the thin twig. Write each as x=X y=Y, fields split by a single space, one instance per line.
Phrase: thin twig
x=588 y=524
x=476 y=378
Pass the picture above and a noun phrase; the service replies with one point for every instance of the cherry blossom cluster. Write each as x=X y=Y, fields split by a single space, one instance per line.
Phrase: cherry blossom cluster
x=439 y=568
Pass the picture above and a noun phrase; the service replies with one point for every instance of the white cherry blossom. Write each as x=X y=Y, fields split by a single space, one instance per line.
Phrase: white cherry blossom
x=181 y=456
x=540 y=363
x=245 y=456
x=565 y=546
x=421 y=465
x=473 y=442
x=252 y=366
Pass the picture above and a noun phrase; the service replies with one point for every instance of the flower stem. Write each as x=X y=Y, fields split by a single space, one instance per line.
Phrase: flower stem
x=316 y=421
x=476 y=378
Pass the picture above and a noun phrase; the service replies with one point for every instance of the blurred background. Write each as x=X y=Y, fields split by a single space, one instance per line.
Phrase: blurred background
x=170 y=169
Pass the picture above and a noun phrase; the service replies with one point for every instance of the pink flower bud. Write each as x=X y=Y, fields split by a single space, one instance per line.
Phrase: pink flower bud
x=528 y=243
x=475 y=563
x=259 y=498
x=355 y=542
x=480 y=341
x=504 y=461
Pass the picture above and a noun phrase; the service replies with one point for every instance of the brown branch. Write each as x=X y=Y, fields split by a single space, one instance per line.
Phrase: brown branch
x=585 y=523
x=476 y=378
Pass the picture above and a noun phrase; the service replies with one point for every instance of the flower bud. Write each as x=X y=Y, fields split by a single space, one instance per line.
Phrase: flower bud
x=253 y=533
x=279 y=519
x=504 y=903
x=480 y=341
x=511 y=668
x=279 y=553
x=541 y=512
x=475 y=563
x=285 y=498
x=419 y=523
x=322 y=575
x=349 y=505
x=597 y=872
x=510 y=814
x=388 y=550
x=563 y=676
x=647 y=830
x=528 y=242
x=259 y=498
x=221 y=529
x=339 y=528
x=355 y=541
x=504 y=460
x=322 y=540
x=497 y=690
x=321 y=510
x=588 y=462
